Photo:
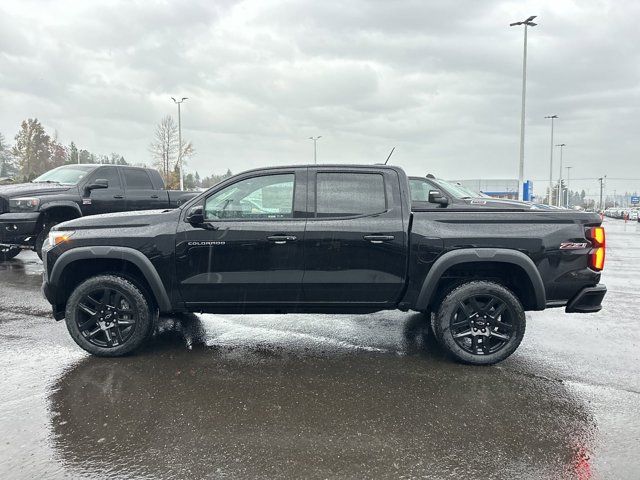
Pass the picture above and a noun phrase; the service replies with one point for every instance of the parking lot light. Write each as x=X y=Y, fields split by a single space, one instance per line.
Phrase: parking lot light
x=560 y=201
x=552 y=117
x=527 y=23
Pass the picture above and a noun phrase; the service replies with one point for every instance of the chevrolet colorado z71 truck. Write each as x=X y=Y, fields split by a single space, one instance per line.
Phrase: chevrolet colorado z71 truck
x=29 y=210
x=331 y=239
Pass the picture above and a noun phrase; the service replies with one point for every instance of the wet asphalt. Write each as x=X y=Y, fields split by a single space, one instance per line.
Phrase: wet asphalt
x=323 y=396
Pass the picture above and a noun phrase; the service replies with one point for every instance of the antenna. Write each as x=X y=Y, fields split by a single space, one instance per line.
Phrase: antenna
x=390 y=153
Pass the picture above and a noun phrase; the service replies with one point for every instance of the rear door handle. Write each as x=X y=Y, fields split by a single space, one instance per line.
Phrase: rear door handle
x=378 y=238
x=118 y=196
x=282 y=239
x=154 y=196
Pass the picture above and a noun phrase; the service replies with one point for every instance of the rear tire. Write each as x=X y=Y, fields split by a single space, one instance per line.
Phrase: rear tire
x=480 y=323
x=109 y=316
x=7 y=253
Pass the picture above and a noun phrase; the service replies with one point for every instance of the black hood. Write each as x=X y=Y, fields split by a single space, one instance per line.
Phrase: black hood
x=140 y=218
x=23 y=189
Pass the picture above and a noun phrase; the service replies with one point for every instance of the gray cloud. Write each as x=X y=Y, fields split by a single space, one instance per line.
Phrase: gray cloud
x=441 y=80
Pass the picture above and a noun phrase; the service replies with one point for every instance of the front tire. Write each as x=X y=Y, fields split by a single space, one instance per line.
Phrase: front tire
x=480 y=323
x=42 y=236
x=109 y=316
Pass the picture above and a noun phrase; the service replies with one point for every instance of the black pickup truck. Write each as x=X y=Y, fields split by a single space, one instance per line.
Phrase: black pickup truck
x=29 y=210
x=329 y=239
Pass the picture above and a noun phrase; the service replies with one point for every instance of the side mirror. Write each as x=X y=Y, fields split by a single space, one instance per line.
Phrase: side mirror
x=435 y=196
x=96 y=185
x=195 y=216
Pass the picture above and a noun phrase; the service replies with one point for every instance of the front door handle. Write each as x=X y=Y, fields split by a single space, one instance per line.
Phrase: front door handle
x=154 y=196
x=118 y=196
x=282 y=239
x=378 y=238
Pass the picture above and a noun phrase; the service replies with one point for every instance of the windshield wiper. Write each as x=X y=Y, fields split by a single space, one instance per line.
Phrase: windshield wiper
x=44 y=181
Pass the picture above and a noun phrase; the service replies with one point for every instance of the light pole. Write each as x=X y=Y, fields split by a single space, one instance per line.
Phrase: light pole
x=527 y=23
x=552 y=117
x=568 y=191
x=180 y=139
x=315 y=147
x=561 y=145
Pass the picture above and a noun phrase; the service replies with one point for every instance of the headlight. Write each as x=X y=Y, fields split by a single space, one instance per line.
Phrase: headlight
x=18 y=205
x=56 y=238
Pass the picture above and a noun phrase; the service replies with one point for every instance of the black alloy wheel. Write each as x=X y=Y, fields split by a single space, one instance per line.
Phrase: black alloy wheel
x=110 y=315
x=482 y=324
x=105 y=317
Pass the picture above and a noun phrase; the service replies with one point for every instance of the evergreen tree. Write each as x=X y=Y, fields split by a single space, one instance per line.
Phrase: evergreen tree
x=32 y=149
x=73 y=153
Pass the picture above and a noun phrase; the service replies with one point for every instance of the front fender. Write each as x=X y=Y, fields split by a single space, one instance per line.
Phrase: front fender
x=466 y=255
x=120 y=253
x=61 y=204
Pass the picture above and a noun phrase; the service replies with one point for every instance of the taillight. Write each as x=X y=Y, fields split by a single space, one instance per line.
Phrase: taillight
x=597 y=253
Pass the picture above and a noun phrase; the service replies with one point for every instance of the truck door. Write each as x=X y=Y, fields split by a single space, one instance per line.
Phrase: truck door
x=248 y=251
x=139 y=190
x=355 y=246
x=104 y=200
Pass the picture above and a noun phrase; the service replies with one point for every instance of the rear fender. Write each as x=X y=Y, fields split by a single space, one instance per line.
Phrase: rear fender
x=466 y=255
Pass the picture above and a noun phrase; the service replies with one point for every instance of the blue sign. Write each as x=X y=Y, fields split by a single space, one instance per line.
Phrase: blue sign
x=635 y=200
x=527 y=191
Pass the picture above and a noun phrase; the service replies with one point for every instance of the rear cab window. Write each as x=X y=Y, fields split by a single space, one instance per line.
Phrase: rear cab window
x=137 y=179
x=349 y=194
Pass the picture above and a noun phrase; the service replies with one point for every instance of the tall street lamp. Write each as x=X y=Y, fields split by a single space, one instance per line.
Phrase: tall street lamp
x=180 y=139
x=561 y=145
x=315 y=147
x=552 y=117
x=568 y=181
x=527 y=23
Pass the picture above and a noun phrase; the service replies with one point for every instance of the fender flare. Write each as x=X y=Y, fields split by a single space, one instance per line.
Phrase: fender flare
x=466 y=255
x=61 y=203
x=120 y=253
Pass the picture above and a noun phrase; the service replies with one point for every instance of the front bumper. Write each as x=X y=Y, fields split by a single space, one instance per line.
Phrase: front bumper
x=588 y=300
x=17 y=229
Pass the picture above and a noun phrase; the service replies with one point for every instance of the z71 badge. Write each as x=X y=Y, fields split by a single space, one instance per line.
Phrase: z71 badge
x=572 y=246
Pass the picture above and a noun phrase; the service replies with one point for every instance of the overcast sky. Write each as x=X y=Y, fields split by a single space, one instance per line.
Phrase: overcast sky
x=439 y=80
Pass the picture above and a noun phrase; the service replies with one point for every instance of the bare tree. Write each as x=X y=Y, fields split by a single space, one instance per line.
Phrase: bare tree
x=164 y=147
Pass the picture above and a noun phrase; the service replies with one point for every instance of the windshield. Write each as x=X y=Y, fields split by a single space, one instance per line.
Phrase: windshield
x=67 y=175
x=458 y=191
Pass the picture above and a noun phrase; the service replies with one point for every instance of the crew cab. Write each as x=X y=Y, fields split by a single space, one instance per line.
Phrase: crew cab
x=29 y=210
x=328 y=239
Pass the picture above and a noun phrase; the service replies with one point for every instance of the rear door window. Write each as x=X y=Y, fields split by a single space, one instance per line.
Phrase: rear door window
x=137 y=179
x=347 y=194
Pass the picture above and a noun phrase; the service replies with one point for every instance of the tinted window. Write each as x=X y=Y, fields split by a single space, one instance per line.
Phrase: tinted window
x=265 y=197
x=110 y=174
x=136 y=178
x=349 y=194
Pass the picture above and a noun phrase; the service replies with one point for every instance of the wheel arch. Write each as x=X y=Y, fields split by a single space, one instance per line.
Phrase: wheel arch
x=504 y=261
x=119 y=260
x=58 y=210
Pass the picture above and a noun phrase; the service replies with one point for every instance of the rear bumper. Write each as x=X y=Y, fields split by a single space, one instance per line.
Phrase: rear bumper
x=588 y=300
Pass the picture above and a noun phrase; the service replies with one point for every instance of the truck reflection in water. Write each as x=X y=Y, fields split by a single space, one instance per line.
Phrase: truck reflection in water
x=271 y=409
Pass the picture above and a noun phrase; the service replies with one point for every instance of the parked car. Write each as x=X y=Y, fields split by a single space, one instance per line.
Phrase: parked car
x=28 y=211
x=323 y=239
